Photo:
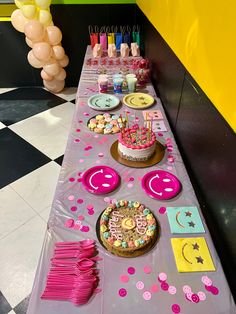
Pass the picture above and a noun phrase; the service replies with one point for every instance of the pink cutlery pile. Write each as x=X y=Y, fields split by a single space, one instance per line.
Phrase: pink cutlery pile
x=73 y=275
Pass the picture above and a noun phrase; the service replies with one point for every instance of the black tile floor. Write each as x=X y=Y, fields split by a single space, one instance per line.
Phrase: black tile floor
x=30 y=160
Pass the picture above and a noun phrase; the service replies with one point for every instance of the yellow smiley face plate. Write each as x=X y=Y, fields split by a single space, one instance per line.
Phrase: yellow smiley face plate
x=138 y=100
x=192 y=255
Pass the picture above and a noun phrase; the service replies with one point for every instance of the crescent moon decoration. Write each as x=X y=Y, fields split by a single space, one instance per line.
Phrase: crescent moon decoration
x=183 y=253
x=177 y=220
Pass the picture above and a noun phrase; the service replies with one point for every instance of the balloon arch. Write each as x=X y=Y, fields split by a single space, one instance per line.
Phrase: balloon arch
x=33 y=18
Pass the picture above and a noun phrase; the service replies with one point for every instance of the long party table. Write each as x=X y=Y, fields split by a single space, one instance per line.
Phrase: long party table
x=154 y=285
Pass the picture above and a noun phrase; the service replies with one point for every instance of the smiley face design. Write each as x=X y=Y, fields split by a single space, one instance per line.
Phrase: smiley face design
x=192 y=255
x=152 y=115
x=184 y=220
x=161 y=184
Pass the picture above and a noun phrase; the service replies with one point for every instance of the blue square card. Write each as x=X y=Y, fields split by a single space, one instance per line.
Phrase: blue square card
x=184 y=220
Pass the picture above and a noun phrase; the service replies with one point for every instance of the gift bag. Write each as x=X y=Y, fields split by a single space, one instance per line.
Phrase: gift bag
x=136 y=35
x=118 y=37
x=127 y=36
x=103 y=38
x=93 y=35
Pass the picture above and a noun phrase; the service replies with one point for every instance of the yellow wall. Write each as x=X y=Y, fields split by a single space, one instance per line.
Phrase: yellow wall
x=202 y=33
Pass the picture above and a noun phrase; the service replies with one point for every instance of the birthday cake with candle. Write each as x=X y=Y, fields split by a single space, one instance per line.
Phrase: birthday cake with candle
x=136 y=143
x=128 y=228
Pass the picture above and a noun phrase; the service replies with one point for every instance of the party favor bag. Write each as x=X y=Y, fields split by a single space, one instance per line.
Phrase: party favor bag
x=103 y=38
x=118 y=37
x=93 y=36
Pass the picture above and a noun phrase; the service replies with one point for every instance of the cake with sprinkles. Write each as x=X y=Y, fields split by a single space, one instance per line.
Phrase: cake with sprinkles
x=128 y=228
x=136 y=143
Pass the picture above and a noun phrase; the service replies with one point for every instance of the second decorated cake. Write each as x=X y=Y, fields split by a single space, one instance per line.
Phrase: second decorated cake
x=128 y=228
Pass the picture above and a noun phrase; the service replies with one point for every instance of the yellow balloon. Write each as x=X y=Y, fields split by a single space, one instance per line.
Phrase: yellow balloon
x=45 y=17
x=19 y=4
x=29 y=11
x=43 y=4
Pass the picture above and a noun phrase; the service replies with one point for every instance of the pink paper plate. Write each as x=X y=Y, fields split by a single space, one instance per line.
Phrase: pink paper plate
x=100 y=179
x=161 y=184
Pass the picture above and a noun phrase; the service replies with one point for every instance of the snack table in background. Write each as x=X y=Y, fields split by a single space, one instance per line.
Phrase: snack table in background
x=144 y=292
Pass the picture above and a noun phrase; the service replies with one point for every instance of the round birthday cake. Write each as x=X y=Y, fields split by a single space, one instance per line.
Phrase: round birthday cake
x=106 y=123
x=128 y=228
x=137 y=144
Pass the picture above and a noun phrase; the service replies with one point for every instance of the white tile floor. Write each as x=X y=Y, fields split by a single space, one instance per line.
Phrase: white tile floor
x=25 y=203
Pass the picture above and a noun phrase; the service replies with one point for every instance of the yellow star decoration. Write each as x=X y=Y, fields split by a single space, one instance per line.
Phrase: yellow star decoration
x=192 y=255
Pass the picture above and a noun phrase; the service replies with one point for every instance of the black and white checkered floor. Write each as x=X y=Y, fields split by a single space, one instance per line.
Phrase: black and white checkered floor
x=34 y=126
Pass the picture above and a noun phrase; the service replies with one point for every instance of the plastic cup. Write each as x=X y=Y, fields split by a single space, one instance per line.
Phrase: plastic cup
x=130 y=75
x=117 y=85
x=132 y=82
x=103 y=83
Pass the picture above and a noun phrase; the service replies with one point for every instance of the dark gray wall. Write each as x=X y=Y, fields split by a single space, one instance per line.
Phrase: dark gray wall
x=206 y=141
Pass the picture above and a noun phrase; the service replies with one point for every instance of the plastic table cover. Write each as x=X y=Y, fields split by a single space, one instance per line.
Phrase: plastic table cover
x=86 y=149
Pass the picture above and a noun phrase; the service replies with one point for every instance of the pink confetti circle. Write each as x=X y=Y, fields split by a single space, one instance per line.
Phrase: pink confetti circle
x=131 y=270
x=79 y=180
x=207 y=281
x=81 y=160
x=124 y=278
x=187 y=289
x=172 y=290
x=80 y=201
x=147 y=269
x=162 y=277
x=79 y=173
x=195 y=298
x=201 y=295
x=130 y=185
x=71 y=197
x=71 y=179
x=77 y=225
x=86 y=154
x=147 y=295
x=164 y=286
x=78 y=130
x=91 y=212
x=169 y=168
x=100 y=155
x=69 y=223
x=126 y=179
x=85 y=229
x=131 y=179
x=188 y=296
x=90 y=206
x=96 y=136
x=77 y=140
x=80 y=121
x=86 y=114
x=154 y=288
x=80 y=217
x=160 y=134
x=106 y=199
x=122 y=292
x=162 y=210
x=139 y=285
x=214 y=290
x=73 y=208
x=175 y=308
x=140 y=178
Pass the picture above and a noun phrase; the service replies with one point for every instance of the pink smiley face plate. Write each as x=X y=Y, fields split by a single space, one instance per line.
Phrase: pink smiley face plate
x=100 y=180
x=161 y=184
